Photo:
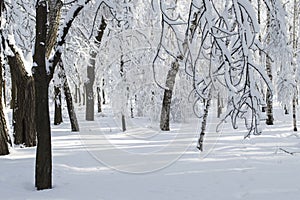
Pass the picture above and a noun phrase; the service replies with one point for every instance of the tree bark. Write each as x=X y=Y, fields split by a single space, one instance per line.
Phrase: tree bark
x=203 y=126
x=99 y=99
x=68 y=95
x=219 y=106
x=53 y=18
x=103 y=92
x=294 y=40
x=4 y=89
x=295 y=113
x=91 y=74
x=83 y=95
x=269 y=96
x=166 y=106
x=43 y=175
x=76 y=94
x=57 y=106
x=23 y=102
x=123 y=119
x=79 y=95
x=3 y=128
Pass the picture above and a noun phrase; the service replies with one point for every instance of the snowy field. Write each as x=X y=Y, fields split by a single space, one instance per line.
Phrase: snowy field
x=101 y=162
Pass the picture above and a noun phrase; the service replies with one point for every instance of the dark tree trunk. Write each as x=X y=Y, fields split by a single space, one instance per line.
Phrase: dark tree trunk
x=103 y=93
x=57 y=110
x=3 y=133
x=219 y=106
x=3 y=128
x=13 y=94
x=29 y=125
x=54 y=7
x=4 y=89
x=68 y=95
x=24 y=98
x=286 y=111
x=43 y=173
x=91 y=74
x=83 y=95
x=75 y=94
x=123 y=123
x=166 y=106
x=79 y=95
x=99 y=99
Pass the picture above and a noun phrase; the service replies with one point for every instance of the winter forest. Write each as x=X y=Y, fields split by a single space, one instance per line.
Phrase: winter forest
x=149 y=99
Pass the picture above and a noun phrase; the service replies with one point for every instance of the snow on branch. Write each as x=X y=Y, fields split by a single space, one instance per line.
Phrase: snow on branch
x=65 y=27
x=218 y=49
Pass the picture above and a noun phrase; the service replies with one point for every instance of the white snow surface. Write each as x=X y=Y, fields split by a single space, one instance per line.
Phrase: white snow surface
x=229 y=168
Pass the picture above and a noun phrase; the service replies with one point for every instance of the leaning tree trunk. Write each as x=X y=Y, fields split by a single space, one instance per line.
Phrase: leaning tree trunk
x=166 y=106
x=68 y=95
x=203 y=126
x=89 y=115
x=43 y=175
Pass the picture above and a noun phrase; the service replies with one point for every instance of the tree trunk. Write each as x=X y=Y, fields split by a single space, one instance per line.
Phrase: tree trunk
x=43 y=173
x=89 y=112
x=57 y=101
x=166 y=106
x=295 y=113
x=123 y=119
x=294 y=40
x=3 y=132
x=4 y=88
x=99 y=99
x=54 y=7
x=79 y=95
x=269 y=97
x=13 y=94
x=76 y=94
x=270 y=118
x=68 y=95
x=286 y=111
x=204 y=122
x=219 y=106
x=24 y=97
x=83 y=95
x=3 y=128
x=103 y=93
x=89 y=115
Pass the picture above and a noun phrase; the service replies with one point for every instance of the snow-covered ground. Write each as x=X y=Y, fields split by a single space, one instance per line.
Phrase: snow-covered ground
x=101 y=162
